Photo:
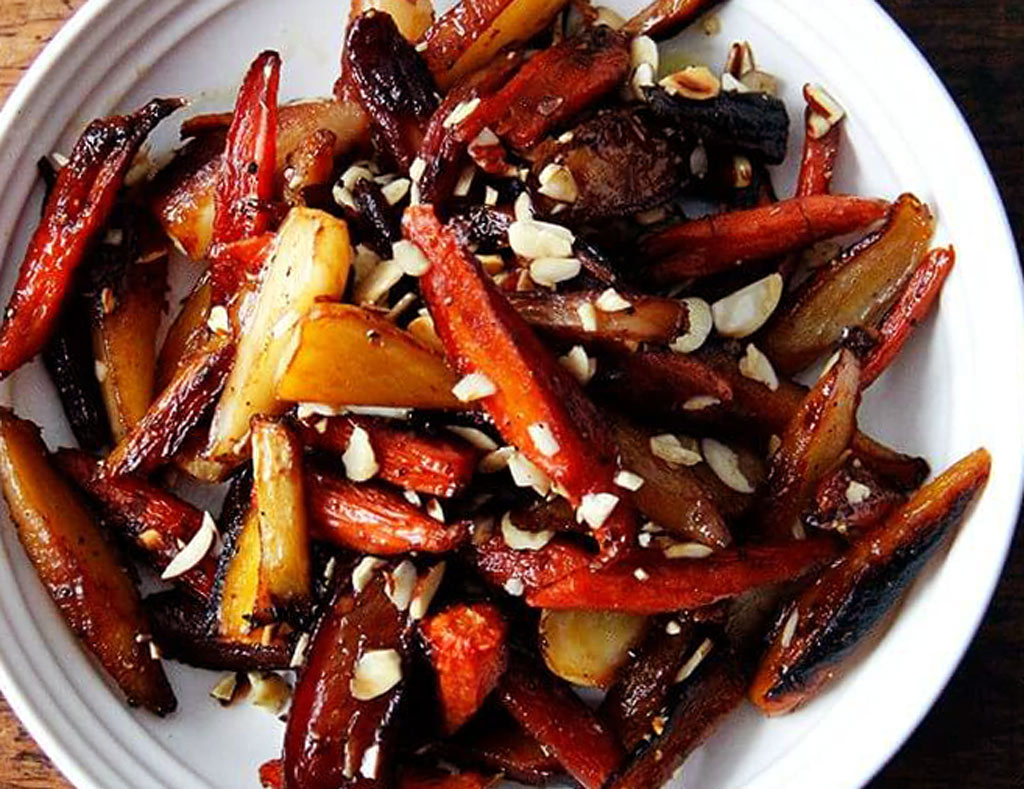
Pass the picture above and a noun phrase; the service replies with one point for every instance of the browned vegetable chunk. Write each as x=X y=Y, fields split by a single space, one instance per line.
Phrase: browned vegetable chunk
x=821 y=629
x=650 y=319
x=662 y=18
x=561 y=722
x=814 y=441
x=705 y=699
x=856 y=289
x=852 y=499
x=349 y=694
x=284 y=589
x=80 y=570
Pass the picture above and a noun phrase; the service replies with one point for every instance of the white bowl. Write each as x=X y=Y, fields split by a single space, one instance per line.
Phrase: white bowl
x=960 y=384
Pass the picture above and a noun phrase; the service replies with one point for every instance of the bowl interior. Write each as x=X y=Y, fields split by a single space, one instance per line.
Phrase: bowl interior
x=958 y=385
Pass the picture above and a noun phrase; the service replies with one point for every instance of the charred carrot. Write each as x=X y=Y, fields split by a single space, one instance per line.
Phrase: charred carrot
x=561 y=722
x=156 y=521
x=816 y=437
x=664 y=17
x=653 y=584
x=371 y=518
x=76 y=211
x=918 y=297
x=245 y=181
x=815 y=635
x=436 y=465
x=468 y=649
x=716 y=243
x=819 y=159
x=532 y=392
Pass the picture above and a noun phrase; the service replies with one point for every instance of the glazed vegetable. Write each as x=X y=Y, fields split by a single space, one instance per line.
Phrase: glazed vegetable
x=371 y=518
x=561 y=722
x=818 y=162
x=156 y=521
x=412 y=17
x=851 y=498
x=650 y=583
x=482 y=334
x=245 y=181
x=438 y=465
x=650 y=319
x=718 y=242
x=662 y=18
x=309 y=260
x=346 y=703
x=124 y=343
x=393 y=84
x=467 y=646
x=155 y=438
x=285 y=589
x=912 y=307
x=470 y=34
x=82 y=573
x=76 y=210
x=856 y=289
x=587 y=648
x=817 y=633
x=818 y=434
x=385 y=366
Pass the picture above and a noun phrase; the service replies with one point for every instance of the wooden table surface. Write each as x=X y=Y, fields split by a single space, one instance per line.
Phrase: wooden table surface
x=974 y=737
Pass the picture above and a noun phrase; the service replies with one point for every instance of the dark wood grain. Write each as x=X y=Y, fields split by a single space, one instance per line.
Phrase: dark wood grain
x=974 y=737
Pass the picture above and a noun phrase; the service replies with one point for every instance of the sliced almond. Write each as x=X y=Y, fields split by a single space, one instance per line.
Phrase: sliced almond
x=520 y=539
x=699 y=325
x=533 y=239
x=474 y=386
x=724 y=461
x=364 y=571
x=218 y=321
x=396 y=191
x=495 y=460
x=692 y=82
x=374 y=287
x=401 y=583
x=426 y=588
x=823 y=103
x=298 y=657
x=700 y=402
x=742 y=313
x=595 y=508
x=558 y=183
x=579 y=364
x=543 y=439
x=194 y=552
x=673 y=449
x=687 y=550
x=757 y=367
x=550 y=271
x=465 y=182
x=629 y=480
x=857 y=492
x=694 y=660
x=789 y=629
x=359 y=459
x=435 y=510
x=269 y=691
x=740 y=59
x=376 y=672
x=527 y=475
x=588 y=316
x=611 y=301
x=461 y=112
x=224 y=690
x=642 y=49
x=410 y=258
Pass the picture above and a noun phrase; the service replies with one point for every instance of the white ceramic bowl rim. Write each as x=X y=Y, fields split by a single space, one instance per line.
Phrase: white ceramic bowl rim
x=91 y=756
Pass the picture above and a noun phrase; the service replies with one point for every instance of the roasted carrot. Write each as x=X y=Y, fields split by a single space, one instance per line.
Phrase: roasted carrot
x=817 y=435
x=155 y=520
x=234 y=266
x=483 y=334
x=371 y=518
x=649 y=583
x=552 y=88
x=190 y=395
x=717 y=243
x=904 y=472
x=245 y=181
x=344 y=714
x=852 y=499
x=467 y=646
x=855 y=289
x=516 y=570
x=816 y=634
x=918 y=297
x=561 y=722
x=818 y=162
x=434 y=464
x=662 y=18
x=81 y=571
x=76 y=211
x=272 y=774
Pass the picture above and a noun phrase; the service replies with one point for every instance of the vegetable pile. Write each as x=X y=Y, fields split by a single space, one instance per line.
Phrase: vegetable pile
x=494 y=352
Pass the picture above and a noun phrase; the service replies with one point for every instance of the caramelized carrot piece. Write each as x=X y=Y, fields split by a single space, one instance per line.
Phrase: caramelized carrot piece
x=904 y=472
x=818 y=434
x=371 y=518
x=662 y=18
x=547 y=708
x=272 y=774
x=652 y=584
x=717 y=243
x=234 y=265
x=816 y=634
x=920 y=294
x=482 y=333
x=511 y=569
x=552 y=88
x=156 y=521
x=79 y=568
x=467 y=645
x=160 y=433
x=75 y=213
x=436 y=465
x=852 y=498
x=245 y=181
x=819 y=159
x=332 y=730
